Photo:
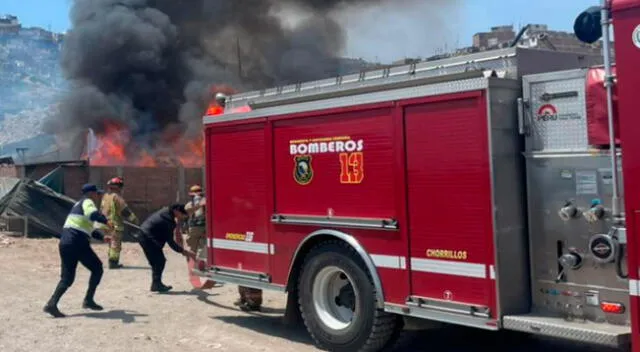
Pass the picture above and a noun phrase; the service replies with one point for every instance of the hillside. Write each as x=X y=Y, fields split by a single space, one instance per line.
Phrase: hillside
x=30 y=80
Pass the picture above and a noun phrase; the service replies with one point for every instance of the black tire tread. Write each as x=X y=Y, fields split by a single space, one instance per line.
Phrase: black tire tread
x=385 y=326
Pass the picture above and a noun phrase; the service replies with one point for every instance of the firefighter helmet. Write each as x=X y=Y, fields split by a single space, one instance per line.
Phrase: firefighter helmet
x=221 y=99
x=195 y=189
x=116 y=181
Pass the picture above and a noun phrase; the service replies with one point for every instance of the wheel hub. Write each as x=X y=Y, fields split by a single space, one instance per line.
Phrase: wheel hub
x=334 y=298
x=346 y=298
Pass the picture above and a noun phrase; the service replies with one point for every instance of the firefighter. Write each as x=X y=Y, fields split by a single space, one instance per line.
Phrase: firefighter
x=74 y=247
x=116 y=209
x=196 y=222
x=156 y=231
x=250 y=299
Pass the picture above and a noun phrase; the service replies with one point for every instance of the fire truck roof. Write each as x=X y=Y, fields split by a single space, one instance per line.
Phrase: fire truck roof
x=513 y=62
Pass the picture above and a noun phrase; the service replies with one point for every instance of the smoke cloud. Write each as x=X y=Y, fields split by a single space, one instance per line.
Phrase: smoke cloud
x=149 y=65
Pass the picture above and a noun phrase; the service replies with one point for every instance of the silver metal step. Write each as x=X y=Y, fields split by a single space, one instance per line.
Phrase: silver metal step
x=234 y=277
x=577 y=330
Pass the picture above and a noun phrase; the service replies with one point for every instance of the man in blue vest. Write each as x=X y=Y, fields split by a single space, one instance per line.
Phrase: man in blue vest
x=75 y=247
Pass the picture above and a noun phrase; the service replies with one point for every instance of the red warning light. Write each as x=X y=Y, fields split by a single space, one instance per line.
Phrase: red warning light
x=214 y=109
x=612 y=308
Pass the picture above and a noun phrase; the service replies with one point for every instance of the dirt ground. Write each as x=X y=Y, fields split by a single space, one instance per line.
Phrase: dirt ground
x=184 y=320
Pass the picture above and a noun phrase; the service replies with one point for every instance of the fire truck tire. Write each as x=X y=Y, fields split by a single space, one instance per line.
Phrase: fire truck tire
x=334 y=276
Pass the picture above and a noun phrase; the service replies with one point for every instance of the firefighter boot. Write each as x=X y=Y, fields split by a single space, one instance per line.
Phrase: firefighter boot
x=113 y=264
x=250 y=299
x=114 y=257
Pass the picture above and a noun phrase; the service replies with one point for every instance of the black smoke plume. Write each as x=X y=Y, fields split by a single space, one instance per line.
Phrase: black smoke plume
x=149 y=65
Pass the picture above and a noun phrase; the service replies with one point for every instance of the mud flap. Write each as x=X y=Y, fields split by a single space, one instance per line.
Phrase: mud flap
x=292 y=316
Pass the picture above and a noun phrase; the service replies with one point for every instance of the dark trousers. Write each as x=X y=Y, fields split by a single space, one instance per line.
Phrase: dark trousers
x=73 y=250
x=155 y=257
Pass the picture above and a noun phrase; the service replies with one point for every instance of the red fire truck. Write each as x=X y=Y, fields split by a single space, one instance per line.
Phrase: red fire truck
x=483 y=190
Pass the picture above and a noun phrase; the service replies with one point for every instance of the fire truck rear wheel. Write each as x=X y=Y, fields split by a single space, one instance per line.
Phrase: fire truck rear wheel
x=338 y=302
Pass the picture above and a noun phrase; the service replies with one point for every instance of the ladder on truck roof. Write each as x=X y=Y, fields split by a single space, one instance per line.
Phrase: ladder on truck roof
x=503 y=63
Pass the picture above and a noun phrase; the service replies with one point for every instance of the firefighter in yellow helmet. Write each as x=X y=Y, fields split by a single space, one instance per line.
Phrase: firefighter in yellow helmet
x=197 y=230
x=115 y=208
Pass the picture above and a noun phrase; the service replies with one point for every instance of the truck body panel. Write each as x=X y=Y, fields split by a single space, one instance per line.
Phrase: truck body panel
x=240 y=234
x=626 y=19
x=449 y=196
x=449 y=200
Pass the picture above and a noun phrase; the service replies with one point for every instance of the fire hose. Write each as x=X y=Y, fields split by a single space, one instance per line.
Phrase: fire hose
x=136 y=234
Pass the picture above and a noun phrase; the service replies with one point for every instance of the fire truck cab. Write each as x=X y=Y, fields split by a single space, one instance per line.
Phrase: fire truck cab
x=482 y=190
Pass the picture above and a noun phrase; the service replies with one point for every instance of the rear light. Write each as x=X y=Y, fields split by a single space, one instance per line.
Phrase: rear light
x=612 y=308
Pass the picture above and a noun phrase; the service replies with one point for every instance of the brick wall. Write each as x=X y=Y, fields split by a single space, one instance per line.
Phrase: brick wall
x=8 y=171
x=74 y=178
x=37 y=171
x=194 y=177
x=148 y=189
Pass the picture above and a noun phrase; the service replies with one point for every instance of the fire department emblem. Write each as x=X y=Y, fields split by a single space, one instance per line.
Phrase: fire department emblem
x=635 y=37
x=547 y=112
x=303 y=172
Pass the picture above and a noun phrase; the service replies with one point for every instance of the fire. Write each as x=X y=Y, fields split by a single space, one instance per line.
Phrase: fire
x=108 y=147
x=113 y=145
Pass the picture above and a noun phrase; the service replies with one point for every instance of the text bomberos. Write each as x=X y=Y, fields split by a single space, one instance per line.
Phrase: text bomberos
x=325 y=145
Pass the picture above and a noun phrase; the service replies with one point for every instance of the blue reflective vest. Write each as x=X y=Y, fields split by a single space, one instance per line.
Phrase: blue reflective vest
x=79 y=217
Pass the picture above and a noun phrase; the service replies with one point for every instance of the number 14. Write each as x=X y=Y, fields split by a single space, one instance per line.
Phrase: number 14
x=351 y=168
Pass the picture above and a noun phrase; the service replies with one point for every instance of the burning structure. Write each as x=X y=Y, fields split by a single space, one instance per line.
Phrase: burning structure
x=143 y=71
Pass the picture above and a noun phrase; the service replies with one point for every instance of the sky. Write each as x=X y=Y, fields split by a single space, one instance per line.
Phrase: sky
x=375 y=35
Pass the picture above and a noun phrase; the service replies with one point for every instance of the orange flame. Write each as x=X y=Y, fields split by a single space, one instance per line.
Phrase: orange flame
x=113 y=147
x=110 y=147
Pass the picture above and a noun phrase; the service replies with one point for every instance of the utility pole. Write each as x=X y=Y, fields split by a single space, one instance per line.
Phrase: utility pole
x=238 y=51
x=22 y=154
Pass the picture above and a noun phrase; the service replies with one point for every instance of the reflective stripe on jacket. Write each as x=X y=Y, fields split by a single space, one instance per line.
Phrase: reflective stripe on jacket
x=79 y=216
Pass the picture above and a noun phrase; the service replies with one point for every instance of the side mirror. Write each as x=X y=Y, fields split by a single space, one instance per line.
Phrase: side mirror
x=588 y=26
